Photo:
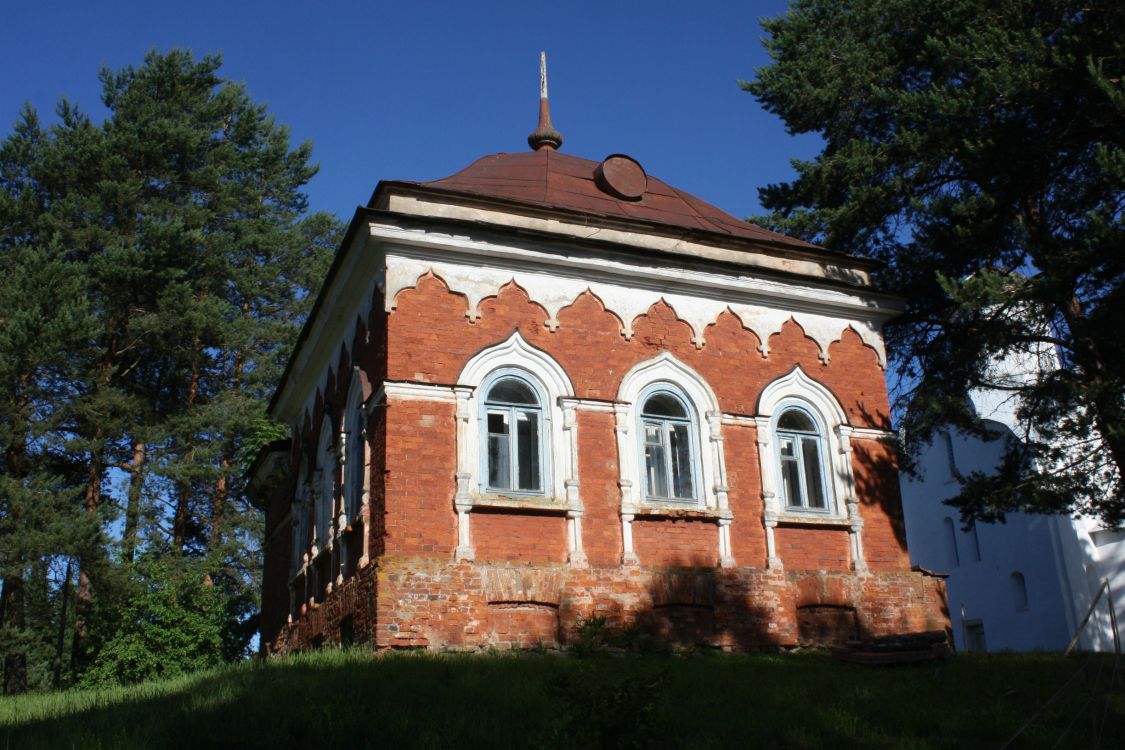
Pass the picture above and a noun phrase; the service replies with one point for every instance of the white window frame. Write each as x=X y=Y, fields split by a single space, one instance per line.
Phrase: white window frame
x=326 y=468
x=799 y=390
x=300 y=522
x=692 y=422
x=666 y=373
x=823 y=466
x=514 y=356
x=545 y=421
x=558 y=433
x=354 y=452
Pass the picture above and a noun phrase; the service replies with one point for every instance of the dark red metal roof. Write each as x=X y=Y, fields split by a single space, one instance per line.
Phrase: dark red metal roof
x=553 y=180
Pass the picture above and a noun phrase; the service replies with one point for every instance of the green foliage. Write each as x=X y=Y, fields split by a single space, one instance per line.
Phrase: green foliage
x=155 y=269
x=977 y=149
x=170 y=623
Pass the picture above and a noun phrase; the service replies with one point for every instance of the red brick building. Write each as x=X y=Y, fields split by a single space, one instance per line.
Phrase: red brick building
x=547 y=389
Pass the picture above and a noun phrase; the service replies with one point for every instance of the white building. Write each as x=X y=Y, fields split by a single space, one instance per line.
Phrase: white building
x=1021 y=585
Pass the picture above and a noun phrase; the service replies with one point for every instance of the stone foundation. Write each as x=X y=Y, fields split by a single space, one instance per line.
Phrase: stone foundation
x=439 y=605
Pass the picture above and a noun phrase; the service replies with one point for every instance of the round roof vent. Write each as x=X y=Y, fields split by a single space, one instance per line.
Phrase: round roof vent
x=622 y=177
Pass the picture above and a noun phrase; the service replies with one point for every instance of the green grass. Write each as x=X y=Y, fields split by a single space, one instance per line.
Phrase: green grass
x=354 y=699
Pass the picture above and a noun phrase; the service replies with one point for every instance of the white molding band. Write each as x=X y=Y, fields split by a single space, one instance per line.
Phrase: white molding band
x=823 y=315
x=407 y=391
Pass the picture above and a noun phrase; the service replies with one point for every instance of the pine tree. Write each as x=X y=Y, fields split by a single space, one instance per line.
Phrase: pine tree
x=978 y=150
x=181 y=216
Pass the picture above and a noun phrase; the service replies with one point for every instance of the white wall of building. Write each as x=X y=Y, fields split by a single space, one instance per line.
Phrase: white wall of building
x=1062 y=561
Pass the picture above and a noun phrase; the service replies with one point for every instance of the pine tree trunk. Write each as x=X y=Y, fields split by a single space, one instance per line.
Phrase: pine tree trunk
x=133 y=506
x=222 y=488
x=182 y=515
x=56 y=677
x=15 y=661
x=84 y=595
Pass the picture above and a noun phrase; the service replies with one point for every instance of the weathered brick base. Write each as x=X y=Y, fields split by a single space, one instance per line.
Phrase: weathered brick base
x=439 y=605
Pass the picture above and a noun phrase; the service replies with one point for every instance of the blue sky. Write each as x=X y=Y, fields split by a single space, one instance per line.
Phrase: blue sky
x=418 y=90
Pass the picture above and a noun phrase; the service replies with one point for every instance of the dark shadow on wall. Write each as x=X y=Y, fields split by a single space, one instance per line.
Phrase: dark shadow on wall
x=875 y=465
x=686 y=605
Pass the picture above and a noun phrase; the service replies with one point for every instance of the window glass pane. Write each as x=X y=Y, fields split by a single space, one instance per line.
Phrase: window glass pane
x=527 y=445
x=512 y=391
x=790 y=481
x=664 y=405
x=498 y=423
x=656 y=469
x=499 y=476
x=795 y=419
x=680 y=449
x=810 y=454
x=786 y=446
x=354 y=482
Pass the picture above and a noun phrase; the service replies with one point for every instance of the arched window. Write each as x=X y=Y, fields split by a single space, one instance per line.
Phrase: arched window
x=1019 y=591
x=355 y=449
x=804 y=448
x=670 y=453
x=952 y=557
x=974 y=539
x=800 y=450
x=300 y=520
x=326 y=489
x=513 y=433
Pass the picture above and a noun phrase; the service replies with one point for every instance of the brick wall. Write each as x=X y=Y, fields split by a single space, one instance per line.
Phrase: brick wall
x=517 y=537
x=805 y=548
x=519 y=592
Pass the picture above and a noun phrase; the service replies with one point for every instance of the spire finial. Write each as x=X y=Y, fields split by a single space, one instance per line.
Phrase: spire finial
x=545 y=136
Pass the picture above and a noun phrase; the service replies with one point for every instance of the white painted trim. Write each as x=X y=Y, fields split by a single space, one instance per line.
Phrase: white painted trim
x=708 y=439
x=515 y=353
x=346 y=304
x=762 y=305
x=561 y=464
x=871 y=433
x=811 y=263
x=798 y=389
x=591 y=405
x=406 y=391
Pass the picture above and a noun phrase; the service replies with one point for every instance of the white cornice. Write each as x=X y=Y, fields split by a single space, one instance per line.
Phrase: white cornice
x=554 y=280
x=788 y=260
x=404 y=391
x=342 y=307
x=746 y=286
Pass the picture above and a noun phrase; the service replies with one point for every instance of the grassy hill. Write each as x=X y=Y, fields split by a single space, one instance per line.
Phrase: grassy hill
x=356 y=700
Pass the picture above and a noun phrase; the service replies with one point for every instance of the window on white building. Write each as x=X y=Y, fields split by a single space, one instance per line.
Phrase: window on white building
x=800 y=449
x=512 y=434
x=668 y=425
x=974 y=542
x=1019 y=591
x=952 y=558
